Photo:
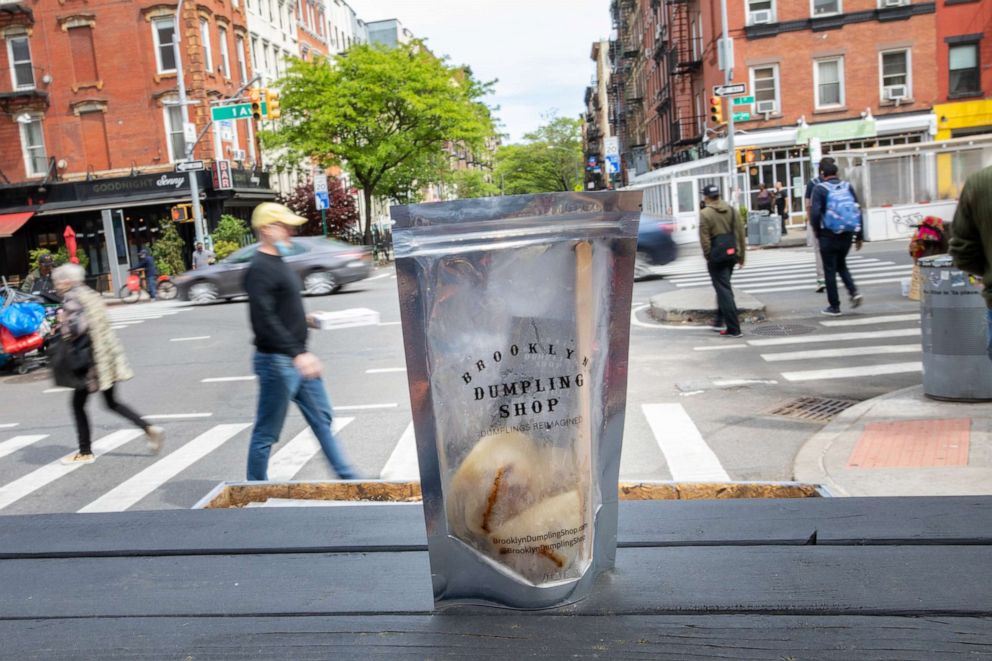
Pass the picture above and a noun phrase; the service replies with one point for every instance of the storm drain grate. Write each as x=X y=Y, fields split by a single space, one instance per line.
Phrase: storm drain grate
x=814 y=409
x=782 y=330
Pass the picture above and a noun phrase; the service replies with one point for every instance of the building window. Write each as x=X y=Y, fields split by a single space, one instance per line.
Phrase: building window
x=254 y=53
x=271 y=17
x=164 y=34
x=239 y=45
x=33 y=145
x=21 y=69
x=225 y=56
x=266 y=58
x=174 y=133
x=825 y=7
x=764 y=84
x=208 y=59
x=964 y=72
x=760 y=11
x=828 y=79
x=895 y=75
x=282 y=24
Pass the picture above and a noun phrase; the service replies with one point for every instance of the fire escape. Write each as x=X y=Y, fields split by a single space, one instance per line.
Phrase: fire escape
x=685 y=57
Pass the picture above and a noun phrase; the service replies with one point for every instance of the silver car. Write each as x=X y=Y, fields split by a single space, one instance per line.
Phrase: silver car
x=324 y=266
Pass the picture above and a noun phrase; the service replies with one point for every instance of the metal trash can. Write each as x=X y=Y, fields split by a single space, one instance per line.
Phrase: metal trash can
x=770 y=229
x=956 y=364
x=754 y=219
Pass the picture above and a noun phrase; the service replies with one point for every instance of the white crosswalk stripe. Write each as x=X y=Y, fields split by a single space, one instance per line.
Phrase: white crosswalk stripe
x=689 y=457
x=122 y=316
x=14 y=444
x=292 y=457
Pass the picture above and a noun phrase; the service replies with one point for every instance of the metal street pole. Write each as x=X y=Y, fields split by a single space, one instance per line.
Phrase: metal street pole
x=728 y=78
x=194 y=184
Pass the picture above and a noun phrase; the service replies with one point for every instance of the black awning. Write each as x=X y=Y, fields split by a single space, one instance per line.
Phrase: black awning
x=122 y=202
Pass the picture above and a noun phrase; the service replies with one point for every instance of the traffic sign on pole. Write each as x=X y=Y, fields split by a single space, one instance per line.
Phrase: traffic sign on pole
x=189 y=166
x=734 y=89
x=742 y=116
x=743 y=100
x=236 y=111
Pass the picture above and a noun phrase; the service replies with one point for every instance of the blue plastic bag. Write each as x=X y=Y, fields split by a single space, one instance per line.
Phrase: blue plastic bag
x=22 y=318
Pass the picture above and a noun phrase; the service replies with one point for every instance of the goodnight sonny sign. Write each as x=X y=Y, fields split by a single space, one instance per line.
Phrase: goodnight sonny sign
x=515 y=325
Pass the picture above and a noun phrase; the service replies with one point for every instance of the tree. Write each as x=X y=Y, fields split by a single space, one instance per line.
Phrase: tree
x=549 y=159
x=472 y=183
x=382 y=114
x=229 y=235
x=168 y=249
x=342 y=214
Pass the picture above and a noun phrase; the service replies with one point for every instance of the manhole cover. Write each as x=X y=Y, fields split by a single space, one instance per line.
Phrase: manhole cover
x=814 y=409
x=781 y=330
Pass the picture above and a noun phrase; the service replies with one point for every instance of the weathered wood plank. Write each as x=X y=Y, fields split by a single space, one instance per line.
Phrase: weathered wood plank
x=372 y=528
x=517 y=636
x=816 y=580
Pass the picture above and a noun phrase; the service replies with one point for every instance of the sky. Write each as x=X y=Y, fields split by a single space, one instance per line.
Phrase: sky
x=539 y=50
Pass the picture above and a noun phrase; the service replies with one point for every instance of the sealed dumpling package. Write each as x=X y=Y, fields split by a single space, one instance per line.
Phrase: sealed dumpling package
x=516 y=319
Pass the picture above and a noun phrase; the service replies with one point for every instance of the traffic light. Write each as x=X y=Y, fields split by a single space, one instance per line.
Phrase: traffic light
x=182 y=213
x=740 y=158
x=716 y=110
x=272 y=104
x=255 y=98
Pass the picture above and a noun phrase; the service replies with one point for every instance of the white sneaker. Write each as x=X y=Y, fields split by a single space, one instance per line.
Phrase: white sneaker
x=156 y=436
x=78 y=458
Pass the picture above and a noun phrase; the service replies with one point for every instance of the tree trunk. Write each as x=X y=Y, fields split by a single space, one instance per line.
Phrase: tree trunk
x=367 y=194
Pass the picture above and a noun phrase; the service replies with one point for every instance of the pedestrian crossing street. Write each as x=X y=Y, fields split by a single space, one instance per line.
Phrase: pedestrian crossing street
x=842 y=348
x=122 y=316
x=770 y=271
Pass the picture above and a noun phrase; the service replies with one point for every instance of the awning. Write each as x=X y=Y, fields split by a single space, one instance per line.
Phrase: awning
x=11 y=222
x=54 y=208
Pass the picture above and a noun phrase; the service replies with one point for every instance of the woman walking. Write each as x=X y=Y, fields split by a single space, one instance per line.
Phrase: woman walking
x=94 y=356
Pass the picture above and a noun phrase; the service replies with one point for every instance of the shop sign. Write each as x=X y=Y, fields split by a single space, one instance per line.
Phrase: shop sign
x=165 y=183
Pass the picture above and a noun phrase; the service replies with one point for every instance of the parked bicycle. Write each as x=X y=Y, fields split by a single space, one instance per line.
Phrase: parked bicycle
x=137 y=284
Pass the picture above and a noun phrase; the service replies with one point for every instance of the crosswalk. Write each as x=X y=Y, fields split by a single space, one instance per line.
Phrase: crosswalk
x=123 y=316
x=855 y=347
x=778 y=271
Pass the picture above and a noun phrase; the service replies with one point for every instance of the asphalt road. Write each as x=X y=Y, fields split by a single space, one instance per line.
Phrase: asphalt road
x=696 y=410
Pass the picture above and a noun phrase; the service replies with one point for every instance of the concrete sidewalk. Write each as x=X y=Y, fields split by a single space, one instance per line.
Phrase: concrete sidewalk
x=902 y=444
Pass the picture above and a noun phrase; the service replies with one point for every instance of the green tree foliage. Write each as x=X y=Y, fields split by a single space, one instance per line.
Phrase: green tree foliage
x=384 y=115
x=168 y=249
x=230 y=229
x=342 y=214
x=549 y=159
x=472 y=183
x=61 y=256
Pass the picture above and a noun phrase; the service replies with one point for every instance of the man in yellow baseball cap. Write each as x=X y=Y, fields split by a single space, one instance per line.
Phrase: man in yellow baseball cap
x=286 y=369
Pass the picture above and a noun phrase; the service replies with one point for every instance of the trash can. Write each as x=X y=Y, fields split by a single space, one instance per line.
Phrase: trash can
x=754 y=219
x=770 y=229
x=956 y=365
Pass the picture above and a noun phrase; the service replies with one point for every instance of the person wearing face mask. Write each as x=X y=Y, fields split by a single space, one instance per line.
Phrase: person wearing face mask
x=286 y=370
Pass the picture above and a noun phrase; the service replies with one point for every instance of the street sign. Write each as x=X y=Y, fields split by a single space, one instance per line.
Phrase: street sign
x=189 y=166
x=189 y=132
x=320 y=183
x=322 y=200
x=743 y=100
x=237 y=111
x=221 y=175
x=730 y=90
x=742 y=116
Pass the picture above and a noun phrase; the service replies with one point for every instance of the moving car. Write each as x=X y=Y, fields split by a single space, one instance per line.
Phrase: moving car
x=324 y=266
x=655 y=245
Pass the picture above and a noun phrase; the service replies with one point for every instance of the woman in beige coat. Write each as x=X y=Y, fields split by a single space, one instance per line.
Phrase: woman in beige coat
x=83 y=313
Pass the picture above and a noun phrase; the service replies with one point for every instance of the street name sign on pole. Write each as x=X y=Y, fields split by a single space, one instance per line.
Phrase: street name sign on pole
x=189 y=166
x=730 y=89
x=321 y=198
x=743 y=100
x=742 y=116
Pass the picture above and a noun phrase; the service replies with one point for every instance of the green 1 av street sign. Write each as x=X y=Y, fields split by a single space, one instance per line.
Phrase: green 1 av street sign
x=236 y=111
x=742 y=116
x=743 y=100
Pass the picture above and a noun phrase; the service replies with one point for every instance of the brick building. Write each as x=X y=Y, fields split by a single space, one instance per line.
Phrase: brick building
x=89 y=122
x=964 y=68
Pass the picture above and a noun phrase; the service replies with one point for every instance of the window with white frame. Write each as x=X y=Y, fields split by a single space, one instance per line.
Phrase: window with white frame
x=21 y=69
x=269 y=5
x=239 y=47
x=164 y=35
x=225 y=55
x=760 y=11
x=174 y=139
x=825 y=7
x=208 y=58
x=764 y=85
x=254 y=53
x=33 y=147
x=828 y=81
x=892 y=3
x=280 y=11
x=895 y=73
x=266 y=58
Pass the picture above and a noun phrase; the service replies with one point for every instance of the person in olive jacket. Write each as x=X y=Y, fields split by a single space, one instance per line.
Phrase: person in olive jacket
x=715 y=219
x=971 y=236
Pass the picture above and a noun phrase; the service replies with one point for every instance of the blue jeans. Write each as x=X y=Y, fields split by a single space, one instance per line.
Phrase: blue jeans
x=279 y=382
x=152 y=286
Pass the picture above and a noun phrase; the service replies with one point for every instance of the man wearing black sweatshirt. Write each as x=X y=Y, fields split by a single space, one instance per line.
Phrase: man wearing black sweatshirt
x=286 y=370
x=834 y=245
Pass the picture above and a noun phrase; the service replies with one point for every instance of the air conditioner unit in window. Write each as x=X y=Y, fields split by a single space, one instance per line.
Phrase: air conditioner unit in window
x=237 y=154
x=894 y=92
x=893 y=3
x=763 y=16
x=764 y=107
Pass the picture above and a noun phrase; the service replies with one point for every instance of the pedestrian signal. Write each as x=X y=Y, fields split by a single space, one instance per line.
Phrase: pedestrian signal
x=182 y=213
x=716 y=110
x=272 y=110
x=255 y=98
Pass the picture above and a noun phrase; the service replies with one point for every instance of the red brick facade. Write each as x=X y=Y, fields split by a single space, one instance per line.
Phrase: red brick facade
x=962 y=23
x=97 y=86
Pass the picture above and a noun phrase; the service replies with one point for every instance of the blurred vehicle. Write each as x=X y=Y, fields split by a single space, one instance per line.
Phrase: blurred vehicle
x=324 y=266
x=655 y=245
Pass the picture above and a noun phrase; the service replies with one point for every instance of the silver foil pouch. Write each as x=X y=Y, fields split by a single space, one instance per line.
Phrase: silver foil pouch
x=516 y=322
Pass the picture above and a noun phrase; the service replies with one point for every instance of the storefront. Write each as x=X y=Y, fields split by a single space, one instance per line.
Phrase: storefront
x=138 y=204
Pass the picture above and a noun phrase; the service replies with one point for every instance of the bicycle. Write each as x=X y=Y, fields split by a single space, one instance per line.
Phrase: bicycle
x=138 y=284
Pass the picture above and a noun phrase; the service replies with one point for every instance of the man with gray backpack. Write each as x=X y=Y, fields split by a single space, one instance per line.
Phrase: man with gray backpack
x=835 y=217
